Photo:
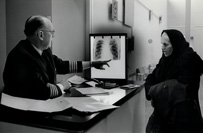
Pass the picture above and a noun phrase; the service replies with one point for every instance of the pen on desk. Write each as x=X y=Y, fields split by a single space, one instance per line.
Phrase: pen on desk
x=95 y=80
x=92 y=79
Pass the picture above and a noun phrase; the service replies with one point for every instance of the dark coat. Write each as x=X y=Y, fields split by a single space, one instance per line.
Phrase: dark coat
x=166 y=95
x=26 y=73
x=185 y=66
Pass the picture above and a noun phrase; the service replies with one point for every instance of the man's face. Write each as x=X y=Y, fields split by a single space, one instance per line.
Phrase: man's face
x=167 y=47
x=47 y=34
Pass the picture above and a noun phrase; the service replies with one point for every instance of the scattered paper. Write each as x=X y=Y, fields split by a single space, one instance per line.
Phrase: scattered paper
x=88 y=104
x=92 y=91
x=115 y=95
x=91 y=83
x=76 y=79
x=50 y=105
x=129 y=86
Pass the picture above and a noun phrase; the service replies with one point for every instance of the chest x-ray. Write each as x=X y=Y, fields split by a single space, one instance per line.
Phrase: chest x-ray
x=105 y=47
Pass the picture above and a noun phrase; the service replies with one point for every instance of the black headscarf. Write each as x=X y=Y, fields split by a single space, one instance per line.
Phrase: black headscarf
x=177 y=41
x=183 y=57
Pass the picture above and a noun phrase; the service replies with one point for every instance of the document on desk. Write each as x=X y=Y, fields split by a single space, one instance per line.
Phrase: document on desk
x=88 y=104
x=93 y=91
x=76 y=80
x=130 y=86
x=50 y=105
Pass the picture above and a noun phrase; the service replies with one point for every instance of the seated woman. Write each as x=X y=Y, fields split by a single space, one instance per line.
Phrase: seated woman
x=173 y=87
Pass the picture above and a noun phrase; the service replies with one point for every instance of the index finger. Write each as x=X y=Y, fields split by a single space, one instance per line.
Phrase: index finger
x=107 y=61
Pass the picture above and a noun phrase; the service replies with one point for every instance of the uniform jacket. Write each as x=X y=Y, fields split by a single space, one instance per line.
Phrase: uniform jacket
x=27 y=73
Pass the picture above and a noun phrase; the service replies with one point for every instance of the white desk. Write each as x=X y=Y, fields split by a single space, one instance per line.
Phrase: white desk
x=128 y=118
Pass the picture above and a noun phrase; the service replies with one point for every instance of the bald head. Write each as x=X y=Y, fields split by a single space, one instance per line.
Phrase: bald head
x=35 y=23
x=39 y=31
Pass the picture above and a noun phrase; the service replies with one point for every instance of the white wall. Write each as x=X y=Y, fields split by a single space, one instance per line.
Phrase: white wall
x=68 y=17
x=176 y=14
x=16 y=14
x=197 y=34
x=197 y=26
x=143 y=30
x=2 y=40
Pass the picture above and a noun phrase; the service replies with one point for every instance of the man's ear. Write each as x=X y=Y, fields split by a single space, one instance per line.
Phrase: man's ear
x=40 y=35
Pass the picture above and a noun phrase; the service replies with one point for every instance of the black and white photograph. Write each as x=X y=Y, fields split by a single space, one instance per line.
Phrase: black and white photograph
x=101 y=66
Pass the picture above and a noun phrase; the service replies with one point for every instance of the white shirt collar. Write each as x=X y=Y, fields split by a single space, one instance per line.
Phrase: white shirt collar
x=38 y=50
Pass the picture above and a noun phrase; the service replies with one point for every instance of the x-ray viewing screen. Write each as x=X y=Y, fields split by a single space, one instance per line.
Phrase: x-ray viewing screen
x=105 y=47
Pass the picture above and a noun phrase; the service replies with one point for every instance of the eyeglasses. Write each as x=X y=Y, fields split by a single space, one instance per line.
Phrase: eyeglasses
x=51 y=31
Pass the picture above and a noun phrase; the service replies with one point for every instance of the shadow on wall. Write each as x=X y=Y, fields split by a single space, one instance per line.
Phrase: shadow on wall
x=201 y=94
x=1 y=89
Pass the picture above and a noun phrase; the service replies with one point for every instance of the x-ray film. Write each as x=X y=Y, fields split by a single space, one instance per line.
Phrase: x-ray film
x=106 y=47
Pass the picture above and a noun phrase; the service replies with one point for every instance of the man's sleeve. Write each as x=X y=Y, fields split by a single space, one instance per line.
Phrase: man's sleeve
x=65 y=67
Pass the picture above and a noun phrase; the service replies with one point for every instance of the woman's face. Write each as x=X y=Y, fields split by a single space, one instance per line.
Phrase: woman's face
x=167 y=47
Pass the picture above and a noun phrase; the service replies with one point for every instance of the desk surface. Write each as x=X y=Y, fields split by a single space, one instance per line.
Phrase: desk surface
x=68 y=120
